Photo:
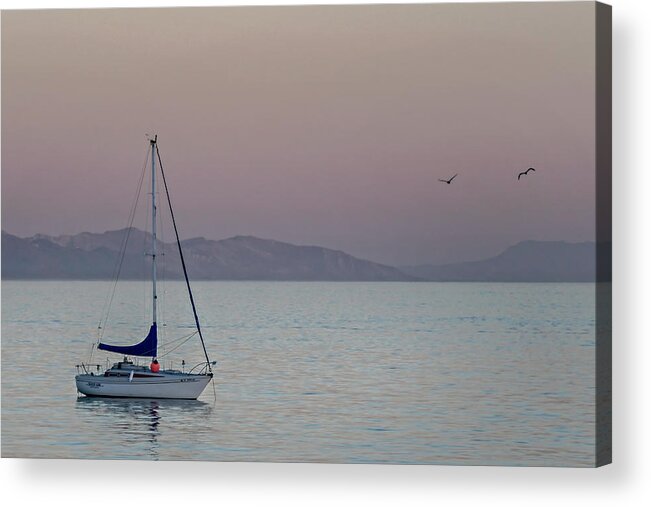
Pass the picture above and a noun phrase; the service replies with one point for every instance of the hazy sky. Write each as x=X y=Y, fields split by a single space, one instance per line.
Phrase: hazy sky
x=313 y=125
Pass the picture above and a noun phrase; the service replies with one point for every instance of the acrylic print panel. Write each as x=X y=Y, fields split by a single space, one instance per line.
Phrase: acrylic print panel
x=340 y=234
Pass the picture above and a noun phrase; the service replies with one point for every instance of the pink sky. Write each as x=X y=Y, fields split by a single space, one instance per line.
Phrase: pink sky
x=313 y=125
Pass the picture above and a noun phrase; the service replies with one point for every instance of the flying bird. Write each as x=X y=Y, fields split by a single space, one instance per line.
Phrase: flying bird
x=525 y=172
x=450 y=180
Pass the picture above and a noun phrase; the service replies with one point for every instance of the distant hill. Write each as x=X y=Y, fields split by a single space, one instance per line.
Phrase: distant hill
x=89 y=256
x=528 y=261
x=94 y=256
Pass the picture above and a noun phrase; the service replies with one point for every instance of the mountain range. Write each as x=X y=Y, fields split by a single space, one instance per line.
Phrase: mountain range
x=527 y=261
x=94 y=256
x=88 y=256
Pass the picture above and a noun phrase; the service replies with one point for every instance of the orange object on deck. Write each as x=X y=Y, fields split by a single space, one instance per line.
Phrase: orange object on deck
x=154 y=366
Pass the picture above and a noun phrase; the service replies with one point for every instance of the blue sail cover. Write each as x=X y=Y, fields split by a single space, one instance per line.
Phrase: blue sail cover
x=147 y=347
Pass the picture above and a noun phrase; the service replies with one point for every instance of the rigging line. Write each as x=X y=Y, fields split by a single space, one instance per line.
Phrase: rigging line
x=162 y=300
x=179 y=345
x=123 y=248
x=90 y=358
x=185 y=271
x=145 y=268
x=182 y=337
x=175 y=340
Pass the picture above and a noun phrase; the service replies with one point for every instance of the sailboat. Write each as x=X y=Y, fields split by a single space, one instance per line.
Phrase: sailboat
x=126 y=379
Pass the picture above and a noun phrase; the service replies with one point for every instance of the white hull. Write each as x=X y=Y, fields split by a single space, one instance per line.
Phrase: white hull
x=176 y=386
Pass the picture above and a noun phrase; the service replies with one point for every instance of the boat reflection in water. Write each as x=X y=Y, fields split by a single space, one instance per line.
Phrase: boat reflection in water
x=136 y=423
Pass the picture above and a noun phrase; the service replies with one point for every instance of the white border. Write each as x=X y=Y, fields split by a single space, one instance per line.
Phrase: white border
x=626 y=482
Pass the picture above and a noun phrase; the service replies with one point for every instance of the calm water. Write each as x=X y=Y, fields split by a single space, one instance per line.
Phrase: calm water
x=449 y=373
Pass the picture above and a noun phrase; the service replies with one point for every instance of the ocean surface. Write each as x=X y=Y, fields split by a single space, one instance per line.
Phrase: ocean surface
x=425 y=373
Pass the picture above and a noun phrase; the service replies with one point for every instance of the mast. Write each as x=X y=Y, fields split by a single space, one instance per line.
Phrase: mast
x=153 y=227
